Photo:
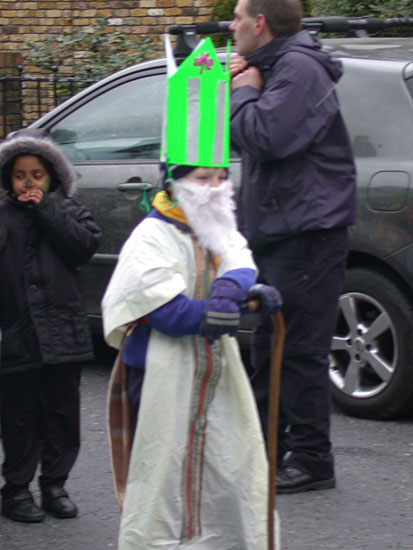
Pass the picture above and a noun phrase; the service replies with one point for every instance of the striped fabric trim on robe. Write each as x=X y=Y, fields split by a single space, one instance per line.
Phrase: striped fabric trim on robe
x=206 y=376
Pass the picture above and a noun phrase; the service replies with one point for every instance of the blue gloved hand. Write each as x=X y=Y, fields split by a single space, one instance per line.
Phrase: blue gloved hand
x=222 y=313
x=270 y=300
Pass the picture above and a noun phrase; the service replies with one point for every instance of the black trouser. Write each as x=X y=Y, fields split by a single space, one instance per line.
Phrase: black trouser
x=308 y=270
x=40 y=419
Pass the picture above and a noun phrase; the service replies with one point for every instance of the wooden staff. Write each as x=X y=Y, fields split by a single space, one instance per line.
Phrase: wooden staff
x=273 y=406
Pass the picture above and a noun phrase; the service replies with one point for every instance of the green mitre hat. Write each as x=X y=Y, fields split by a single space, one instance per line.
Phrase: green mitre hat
x=196 y=131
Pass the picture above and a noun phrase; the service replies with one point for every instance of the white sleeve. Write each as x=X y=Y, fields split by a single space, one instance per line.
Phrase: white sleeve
x=148 y=275
x=238 y=256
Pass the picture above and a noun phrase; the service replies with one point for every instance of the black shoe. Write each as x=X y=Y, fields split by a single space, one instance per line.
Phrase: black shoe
x=56 y=501
x=21 y=507
x=291 y=480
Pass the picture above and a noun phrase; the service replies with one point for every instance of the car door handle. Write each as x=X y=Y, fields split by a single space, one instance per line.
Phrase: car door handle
x=135 y=186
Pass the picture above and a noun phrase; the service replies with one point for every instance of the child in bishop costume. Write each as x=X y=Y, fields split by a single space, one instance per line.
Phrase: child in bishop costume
x=195 y=476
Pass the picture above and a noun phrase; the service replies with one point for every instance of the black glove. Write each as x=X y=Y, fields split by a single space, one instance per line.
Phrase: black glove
x=222 y=313
x=270 y=300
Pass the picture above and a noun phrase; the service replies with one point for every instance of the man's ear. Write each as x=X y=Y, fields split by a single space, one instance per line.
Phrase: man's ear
x=260 y=24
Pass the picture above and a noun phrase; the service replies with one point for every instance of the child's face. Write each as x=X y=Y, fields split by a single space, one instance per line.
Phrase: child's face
x=207 y=176
x=29 y=173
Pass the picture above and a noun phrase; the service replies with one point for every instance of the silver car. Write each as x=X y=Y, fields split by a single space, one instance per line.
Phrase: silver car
x=112 y=131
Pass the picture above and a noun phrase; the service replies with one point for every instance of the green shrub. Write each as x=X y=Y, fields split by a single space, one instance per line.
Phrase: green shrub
x=372 y=8
x=89 y=54
x=357 y=8
x=223 y=10
x=307 y=7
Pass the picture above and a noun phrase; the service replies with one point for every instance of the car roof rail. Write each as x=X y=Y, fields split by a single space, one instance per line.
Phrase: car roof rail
x=187 y=34
x=352 y=26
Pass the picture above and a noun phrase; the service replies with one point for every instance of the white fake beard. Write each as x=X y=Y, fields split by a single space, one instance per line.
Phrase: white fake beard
x=210 y=212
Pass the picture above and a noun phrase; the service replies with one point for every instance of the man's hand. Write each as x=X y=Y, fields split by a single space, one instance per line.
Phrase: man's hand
x=237 y=64
x=267 y=298
x=31 y=195
x=250 y=77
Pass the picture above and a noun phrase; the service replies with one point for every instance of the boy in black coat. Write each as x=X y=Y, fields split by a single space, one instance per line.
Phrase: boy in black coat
x=45 y=235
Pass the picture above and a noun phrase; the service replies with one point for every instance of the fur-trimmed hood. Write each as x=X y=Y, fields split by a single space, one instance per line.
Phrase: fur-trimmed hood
x=30 y=141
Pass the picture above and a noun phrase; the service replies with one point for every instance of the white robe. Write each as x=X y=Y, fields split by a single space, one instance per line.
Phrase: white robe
x=156 y=264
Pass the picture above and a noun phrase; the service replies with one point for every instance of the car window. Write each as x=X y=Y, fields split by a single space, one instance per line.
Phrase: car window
x=376 y=129
x=123 y=123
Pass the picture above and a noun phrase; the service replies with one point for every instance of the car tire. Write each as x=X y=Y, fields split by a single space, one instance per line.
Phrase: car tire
x=371 y=361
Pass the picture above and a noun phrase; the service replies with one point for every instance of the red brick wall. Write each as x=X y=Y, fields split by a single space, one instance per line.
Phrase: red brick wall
x=34 y=20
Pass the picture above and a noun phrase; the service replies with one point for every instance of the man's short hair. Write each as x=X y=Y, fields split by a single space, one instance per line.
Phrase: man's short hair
x=283 y=16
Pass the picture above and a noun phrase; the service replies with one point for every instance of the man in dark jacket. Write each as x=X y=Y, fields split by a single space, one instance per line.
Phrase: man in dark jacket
x=296 y=201
x=44 y=236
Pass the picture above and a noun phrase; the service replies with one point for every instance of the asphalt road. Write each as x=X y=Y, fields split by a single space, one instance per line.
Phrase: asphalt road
x=371 y=508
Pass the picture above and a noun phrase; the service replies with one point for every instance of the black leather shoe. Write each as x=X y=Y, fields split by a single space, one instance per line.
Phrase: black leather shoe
x=291 y=480
x=21 y=507
x=56 y=501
